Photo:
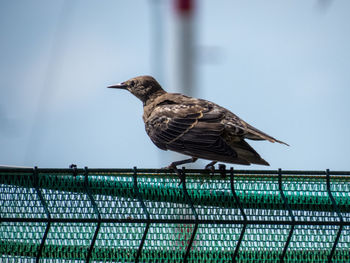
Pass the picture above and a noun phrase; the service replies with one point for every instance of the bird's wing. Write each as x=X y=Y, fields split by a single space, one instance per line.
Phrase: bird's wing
x=255 y=134
x=191 y=129
x=240 y=128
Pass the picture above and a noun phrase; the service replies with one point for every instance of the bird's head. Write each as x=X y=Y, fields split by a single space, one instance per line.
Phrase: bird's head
x=143 y=87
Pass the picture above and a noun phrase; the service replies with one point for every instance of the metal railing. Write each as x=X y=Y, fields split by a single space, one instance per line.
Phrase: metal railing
x=145 y=215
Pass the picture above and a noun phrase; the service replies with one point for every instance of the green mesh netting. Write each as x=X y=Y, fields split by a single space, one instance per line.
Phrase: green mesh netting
x=101 y=215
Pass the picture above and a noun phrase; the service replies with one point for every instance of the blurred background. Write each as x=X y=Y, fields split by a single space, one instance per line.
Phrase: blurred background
x=282 y=66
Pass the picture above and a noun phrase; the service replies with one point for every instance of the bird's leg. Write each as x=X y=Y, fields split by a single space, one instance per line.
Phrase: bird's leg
x=190 y=160
x=211 y=166
x=179 y=173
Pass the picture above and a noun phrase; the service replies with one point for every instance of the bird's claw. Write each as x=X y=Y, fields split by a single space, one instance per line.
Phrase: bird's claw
x=72 y=166
x=210 y=168
x=178 y=172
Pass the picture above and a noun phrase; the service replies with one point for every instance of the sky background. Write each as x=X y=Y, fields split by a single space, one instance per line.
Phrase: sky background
x=282 y=66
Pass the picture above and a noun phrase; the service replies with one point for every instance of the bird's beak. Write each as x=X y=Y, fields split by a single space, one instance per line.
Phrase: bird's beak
x=119 y=86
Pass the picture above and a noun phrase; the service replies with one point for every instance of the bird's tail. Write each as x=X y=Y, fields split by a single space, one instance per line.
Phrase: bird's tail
x=246 y=152
x=255 y=134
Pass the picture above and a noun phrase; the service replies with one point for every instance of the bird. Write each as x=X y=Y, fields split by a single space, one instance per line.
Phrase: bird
x=195 y=127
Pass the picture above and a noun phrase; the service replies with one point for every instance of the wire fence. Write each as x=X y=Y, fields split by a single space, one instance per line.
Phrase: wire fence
x=145 y=215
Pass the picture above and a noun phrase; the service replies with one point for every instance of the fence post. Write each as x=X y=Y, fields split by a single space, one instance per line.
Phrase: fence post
x=94 y=205
x=190 y=203
x=285 y=202
x=334 y=204
x=46 y=209
x=144 y=208
x=235 y=253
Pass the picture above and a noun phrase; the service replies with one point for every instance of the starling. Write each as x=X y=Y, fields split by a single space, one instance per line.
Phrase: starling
x=194 y=127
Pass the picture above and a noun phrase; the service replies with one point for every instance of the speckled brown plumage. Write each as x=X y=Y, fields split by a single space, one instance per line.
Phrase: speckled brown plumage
x=195 y=127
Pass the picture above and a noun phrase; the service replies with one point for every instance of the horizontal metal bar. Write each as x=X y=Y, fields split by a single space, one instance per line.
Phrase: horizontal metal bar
x=168 y=172
x=160 y=254
x=256 y=199
x=176 y=221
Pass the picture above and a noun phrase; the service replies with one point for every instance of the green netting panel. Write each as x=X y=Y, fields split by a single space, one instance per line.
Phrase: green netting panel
x=214 y=242
x=101 y=215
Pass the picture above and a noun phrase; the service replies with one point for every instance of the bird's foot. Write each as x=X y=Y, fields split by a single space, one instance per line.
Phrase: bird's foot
x=190 y=160
x=180 y=173
x=211 y=166
x=72 y=166
x=74 y=169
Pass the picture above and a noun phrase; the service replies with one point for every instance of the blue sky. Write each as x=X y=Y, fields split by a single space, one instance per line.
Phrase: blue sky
x=282 y=66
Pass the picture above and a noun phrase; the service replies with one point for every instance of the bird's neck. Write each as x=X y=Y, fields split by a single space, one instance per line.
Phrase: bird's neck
x=153 y=96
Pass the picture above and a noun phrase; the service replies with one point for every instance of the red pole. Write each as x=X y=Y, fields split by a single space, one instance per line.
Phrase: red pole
x=184 y=6
x=184 y=59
